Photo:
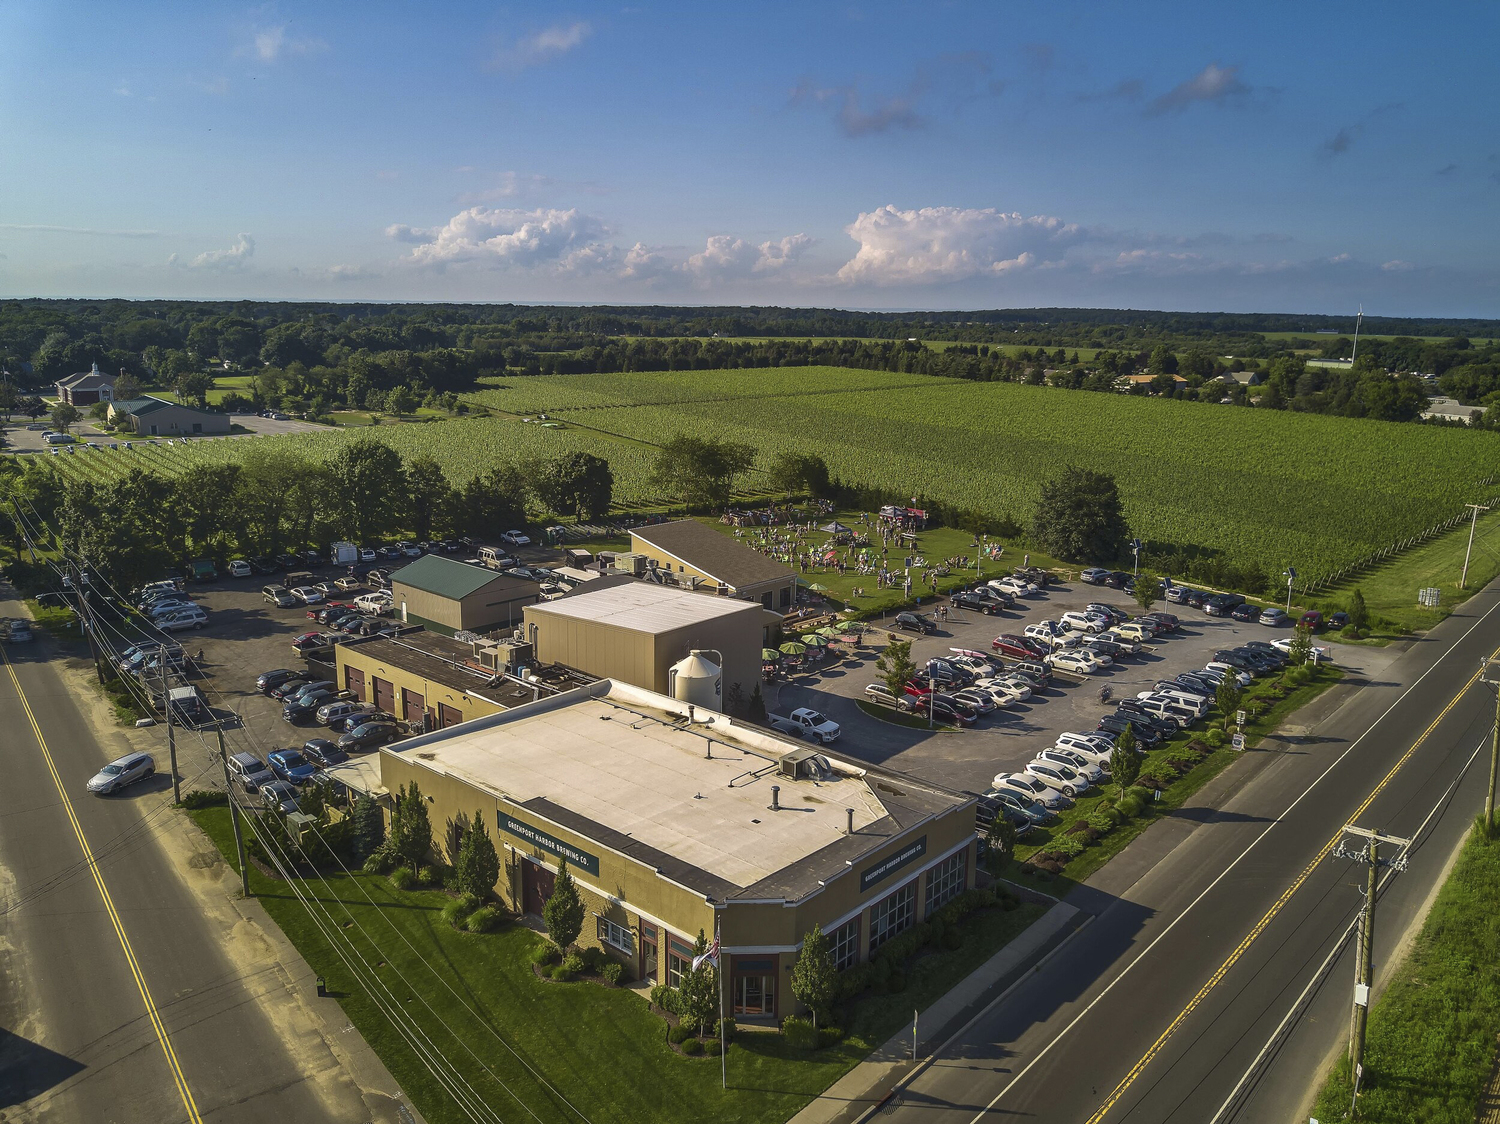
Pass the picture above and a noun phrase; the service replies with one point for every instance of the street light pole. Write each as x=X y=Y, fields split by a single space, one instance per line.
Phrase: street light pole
x=1135 y=548
x=1291 y=576
x=1473 y=523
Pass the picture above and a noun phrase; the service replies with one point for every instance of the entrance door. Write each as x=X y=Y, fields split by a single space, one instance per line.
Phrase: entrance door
x=537 y=883
x=354 y=680
x=412 y=705
x=754 y=995
x=385 y=694
x=648 y=970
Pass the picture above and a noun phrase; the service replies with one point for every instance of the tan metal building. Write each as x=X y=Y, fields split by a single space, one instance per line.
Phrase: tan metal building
x=689 y=549
x=671 y=826
x=450 y=596
x=634 y=631
x=424 y=677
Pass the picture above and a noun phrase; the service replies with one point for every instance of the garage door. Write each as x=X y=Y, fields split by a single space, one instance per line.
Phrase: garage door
x=354 y=680
x=385 y=694
x=412 y=705
x=449 y=716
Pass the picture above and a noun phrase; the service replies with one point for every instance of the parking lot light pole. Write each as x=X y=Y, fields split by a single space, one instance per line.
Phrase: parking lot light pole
x=1291 y=576
x=1135 y=547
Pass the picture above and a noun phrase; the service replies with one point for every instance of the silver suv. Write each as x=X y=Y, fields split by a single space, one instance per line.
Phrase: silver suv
x=121 y=772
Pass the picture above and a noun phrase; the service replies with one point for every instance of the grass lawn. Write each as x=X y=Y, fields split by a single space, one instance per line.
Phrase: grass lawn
x=600 y=1046
x=1264 y=714
x=1430 y=1044
x=1390 y=590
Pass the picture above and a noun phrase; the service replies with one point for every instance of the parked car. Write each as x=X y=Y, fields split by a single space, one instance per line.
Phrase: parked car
x=1274 y=617
x=1030 y=787
x=1312 y=620
x=1115 y=724
x=290 y=765
x=1095 y=575
x=1246 y=612
x=1034 y=810
x=1177 y=594
x=1082 y=622
x=975 y=603
x=122 y=772
x=249 y=771
x=1065 y=779
x=1091 y=743
x=1079 y=663
x=346 y=585
x=370 y=735
x=303 y=707
x=1168 y=621
x=330 y=712
x=912 y=622
x=268 y=681
x=880 y=693
x=1051 y=636
x=310 y=641
x=366 y=554
x=240 y=568
x=1241 y=676
x=192 y=617
x=980 y=702
x=308 y=595
x=323 y=752
x=516 y=538
x=279 y=796
x=278 y=595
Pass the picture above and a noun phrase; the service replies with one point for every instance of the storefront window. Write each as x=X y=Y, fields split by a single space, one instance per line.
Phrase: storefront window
x=843 y=945
x=893 y=915
x=755 y=995
x=616 y=936
x=679 y=964
x=648 y=952
x=945 y=880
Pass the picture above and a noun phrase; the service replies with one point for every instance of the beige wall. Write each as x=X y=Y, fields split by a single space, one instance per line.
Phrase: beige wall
x=475 y=611
x=432 y=693
x=751 y=592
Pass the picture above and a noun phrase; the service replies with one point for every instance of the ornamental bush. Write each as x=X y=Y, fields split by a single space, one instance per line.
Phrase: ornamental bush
x=612 y=972
x=800 y=1033
x=572 y=963
x=546 y=953
x=692 y=1047
x=402 y=878
x=457 y=910
x=679 y=1034
x=483 y=919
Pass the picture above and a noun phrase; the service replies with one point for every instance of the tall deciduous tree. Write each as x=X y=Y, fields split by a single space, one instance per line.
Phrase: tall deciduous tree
x=493 y=503
x=1080 y=517
x=563 y=911
x=430 y=493
x=369 y=483
x=64 y=415
x=814 y=978
x=411 y=830
x=476 y=867
x=579 y=484
x=701 y=471
x=800 y=472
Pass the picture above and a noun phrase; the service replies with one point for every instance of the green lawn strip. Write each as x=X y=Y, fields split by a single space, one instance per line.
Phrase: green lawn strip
x=1430 y=1044
x=58 y=620
x=601 y=1047
x=897 y=718
x=1271 y=714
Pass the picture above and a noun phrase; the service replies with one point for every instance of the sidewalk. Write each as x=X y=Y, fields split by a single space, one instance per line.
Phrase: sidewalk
x=868 y=1084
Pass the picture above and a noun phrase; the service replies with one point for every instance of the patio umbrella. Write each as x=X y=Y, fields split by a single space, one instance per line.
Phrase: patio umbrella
x=834 y=528
x=769 y=654
x=813 y=640
x=816 y=588
x=832 y=632
x=793 y=648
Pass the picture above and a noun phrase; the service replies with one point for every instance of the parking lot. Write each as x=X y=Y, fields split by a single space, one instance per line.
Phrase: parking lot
x=1006 y=739
x=19 y=439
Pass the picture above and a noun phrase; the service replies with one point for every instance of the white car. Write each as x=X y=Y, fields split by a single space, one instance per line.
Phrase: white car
x=1079 y=663
x=1051 y=634
x=1092 y=771
x=1022 y=686
x=192 y=617
x=1013 y=586
x=1164 y=707
x=1135 y=630
x=1004 y=694
x=972 y=665
x=1128 y=644
x=121 y=772
x=1031 y=788
x=1243 y=678
x=981 y=702
x=1182 y=697
x=1064 y=778
x=366 y=554
x=307 y=594
x=1092 y=755
x=1081 y=622
x=377 y=604
x=239 y=568
x=515 y=538
x=1095 y=743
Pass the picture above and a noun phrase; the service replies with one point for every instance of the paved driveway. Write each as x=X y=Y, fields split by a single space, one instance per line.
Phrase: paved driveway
x=19 y=439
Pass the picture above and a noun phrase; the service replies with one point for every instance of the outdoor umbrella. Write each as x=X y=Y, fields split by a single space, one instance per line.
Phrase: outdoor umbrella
x=834 y=528
x=769 y=654
x=793 y=648
x=832 y=632
x=816 y=588
x=813 y=640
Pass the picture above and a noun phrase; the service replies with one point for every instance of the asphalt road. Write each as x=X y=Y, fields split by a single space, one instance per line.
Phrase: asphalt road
x=1155 y=1011
x=118 y=999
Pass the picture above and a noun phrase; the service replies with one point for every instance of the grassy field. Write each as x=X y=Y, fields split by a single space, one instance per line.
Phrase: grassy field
x=1279 y=337
x=602 y=1046
x=1430 y=1044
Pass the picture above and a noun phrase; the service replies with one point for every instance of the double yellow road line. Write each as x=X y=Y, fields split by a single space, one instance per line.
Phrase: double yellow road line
x=109 y=906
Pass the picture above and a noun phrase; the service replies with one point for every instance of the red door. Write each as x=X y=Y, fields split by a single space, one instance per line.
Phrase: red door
x=449 y=716
x=385 y=694
x=537 y=884
x=354 y=680
x=412 y=705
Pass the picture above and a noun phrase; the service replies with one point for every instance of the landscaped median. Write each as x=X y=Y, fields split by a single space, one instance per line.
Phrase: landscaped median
x=1430 y=1043
x=1099 y=826
x=601 y=1045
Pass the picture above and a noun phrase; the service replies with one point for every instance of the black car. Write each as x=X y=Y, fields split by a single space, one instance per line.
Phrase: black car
x=312 y=558
x=1196 y=685
x=976 y=603
x=332 y=614
x=990 y=593
x=1197 y=598
x=1262 y=661
x=305 y=706
x=1338 y=620
x=1116 y=579
x=1036 y=575
x=1220 y=606
x=987 y=808
x=261 y=564
x=1245 y=612
x=1105 y=648
x=1115 y=724
x=267 y=681
x=322 y=751
x=291 y=684
x=913 y=622
x=370 y=735
x=1236 y=659
x=1266 y=648
x=1132 y=710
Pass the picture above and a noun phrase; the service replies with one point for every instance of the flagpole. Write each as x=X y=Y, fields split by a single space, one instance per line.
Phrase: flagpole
x=723 y=1030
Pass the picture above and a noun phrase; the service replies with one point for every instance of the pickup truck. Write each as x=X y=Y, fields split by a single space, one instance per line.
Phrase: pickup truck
x=376 y=604
x=805 y=723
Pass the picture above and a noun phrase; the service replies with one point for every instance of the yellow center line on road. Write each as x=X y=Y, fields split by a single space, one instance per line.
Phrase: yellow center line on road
x=109 y=905
x=1260 y=926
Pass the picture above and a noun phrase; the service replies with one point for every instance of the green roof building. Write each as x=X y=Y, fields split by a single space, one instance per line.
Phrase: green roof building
x=156 y=417
x=450 y=596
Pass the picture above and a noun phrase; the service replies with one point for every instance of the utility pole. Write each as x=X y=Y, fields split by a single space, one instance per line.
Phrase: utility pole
x=1489 y=793
x=75 y=575
x=1135 y=548
x=1364 y=966
x=234 y=815
x=166 y=709
x=1473 y=523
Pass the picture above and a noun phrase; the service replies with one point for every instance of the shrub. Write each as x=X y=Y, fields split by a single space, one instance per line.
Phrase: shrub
x=546 y=953
x=593 y=960
x=724 y=1027
x=1103 y=821
x=402 y=878
x=205 y=798
x=712 y=1047
x=880 y=972
x=666 y=999
x=573 y=963
x=1083 y=832
x=1216 y=738
x=483 y=919
x=458 y=909
x=855 y=980
x=561 y=973
x=378 y=863
x=800 y=1033
x=1141 y=791
x=679 y=1034
x=953 y=938
x=1066 y=846
x=897 y=983
x=692 y=1048
x=1159 y=776
x=613 y=972
x=1130 y=806
x=1011 y=903
x=430 y=876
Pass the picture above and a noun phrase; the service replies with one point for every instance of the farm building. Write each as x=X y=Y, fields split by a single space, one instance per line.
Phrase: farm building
x=156 y=417
x=86 y=389
x=696 y=554
x=449 y=596
x=672 y=825
x=634 y=631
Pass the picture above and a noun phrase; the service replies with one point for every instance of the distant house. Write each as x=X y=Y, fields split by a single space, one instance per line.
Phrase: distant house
x=1451 y=409
x=87 y=388
x=1127 y=381
x=1244 y=378
x=156 y=417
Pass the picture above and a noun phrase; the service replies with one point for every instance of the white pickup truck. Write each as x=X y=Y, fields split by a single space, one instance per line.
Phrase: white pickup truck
x=805 y=723
x=376 y=604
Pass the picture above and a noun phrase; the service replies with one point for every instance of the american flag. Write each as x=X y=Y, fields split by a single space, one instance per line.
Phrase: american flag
x=712 y=954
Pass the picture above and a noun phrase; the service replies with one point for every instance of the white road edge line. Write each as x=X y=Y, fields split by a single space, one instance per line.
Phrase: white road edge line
x=1225 y=873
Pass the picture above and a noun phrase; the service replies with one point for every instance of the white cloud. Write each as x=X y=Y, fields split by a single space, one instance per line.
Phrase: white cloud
x=234 y=257
x=642 y=263
x=1397 y=266
x=725 y=256
x=42 y=228
x=542 y=46
x=502 y=237
x=1213 y=84
x=267 y=44
x=937 y=244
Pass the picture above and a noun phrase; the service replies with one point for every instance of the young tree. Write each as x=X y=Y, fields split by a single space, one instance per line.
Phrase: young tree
x=814 y=978
x=1228 y=696
x=1148 y=591
x=700 y=989
x=476 y=868
x=1000 y=843
x=64 y=415
x=757 y=709
x=401 y=400
x=896 y=667
x=1301 y=649
x=1124 y=762
x=563 y=911
x=1359 y=614
x=1080 y=517
x=411 y=831
x=369 y=826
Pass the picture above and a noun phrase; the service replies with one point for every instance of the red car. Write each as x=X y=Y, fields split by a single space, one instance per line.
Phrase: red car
x=309 y=640
x=918 y=688
x=1016 y=648
x=319 y=612
x=1312 y=620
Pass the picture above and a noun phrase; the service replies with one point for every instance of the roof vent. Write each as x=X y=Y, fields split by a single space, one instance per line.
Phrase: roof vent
x=775 y=798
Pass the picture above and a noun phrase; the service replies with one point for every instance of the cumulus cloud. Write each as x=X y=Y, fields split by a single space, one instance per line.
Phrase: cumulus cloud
x=1214 y=84
x=501 y=237
x=235 y=257
x=727 y=257
x=542 y=46
x=642 y=263
x=937 y=244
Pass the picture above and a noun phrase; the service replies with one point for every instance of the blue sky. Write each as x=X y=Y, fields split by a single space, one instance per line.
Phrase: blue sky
x=1273 y=157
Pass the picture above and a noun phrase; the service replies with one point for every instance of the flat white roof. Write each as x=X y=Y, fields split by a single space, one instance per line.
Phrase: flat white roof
x=643 y=606
x=609 y=753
